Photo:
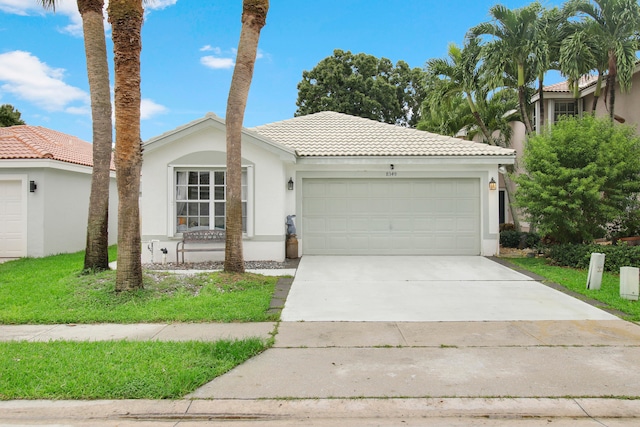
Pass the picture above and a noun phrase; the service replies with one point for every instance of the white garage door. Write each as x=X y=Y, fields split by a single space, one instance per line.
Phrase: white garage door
x=399 y=216
x=11 y=220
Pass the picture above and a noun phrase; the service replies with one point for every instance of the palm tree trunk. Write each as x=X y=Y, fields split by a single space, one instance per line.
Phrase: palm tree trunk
x=611 y=83
x=126 y=18
x=97 y=249
x=479 y=121
x=596 y=94
x=541 y=117
x=510 y=188
x=522 y=99
x=254 y=16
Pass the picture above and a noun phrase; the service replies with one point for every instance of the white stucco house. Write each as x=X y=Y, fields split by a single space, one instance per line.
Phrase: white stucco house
x=356 y=187
x=45 y=183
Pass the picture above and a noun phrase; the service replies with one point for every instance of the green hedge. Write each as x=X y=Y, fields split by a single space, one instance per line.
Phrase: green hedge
x=578 y=256
x=511 y=239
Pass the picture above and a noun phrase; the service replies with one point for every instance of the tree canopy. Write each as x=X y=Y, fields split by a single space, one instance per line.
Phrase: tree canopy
x=365 y=86
x=582 y=174
x=9 y=116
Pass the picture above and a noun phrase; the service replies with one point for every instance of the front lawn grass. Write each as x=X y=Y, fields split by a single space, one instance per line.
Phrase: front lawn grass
x=116 y=369
x=576 y=280
x=52 y=290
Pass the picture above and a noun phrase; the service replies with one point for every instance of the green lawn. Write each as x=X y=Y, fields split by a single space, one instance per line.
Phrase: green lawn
x=52 y=290
x=576 y=280
x=116 y=369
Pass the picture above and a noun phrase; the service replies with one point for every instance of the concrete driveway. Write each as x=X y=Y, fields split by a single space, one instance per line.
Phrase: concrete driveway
x=424 y=289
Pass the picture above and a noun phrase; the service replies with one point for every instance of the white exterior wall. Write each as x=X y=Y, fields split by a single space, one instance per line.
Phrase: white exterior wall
x=206 y=147
x=57 y=211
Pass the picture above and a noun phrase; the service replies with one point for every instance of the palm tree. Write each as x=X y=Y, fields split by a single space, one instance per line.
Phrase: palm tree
x=461 y=74
x=254 y=17
x=126 y=17
x=96 y=253
x=616 y=29
x=582 y=52
x=550 y=30
x=513 y=32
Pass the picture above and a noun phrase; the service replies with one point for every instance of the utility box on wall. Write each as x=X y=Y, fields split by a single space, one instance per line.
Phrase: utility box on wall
x=629 y=283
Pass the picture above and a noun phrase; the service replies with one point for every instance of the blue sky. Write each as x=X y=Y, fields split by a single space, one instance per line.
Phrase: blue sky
x=188 y=52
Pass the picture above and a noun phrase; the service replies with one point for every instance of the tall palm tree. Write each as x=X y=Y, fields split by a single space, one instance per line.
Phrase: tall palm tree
x=513 y=33
x=96 y=253
x=126 y=17
x=550 y=29
x=254 y=17
x=581 y=52
x=618 y=23
x=461 y=74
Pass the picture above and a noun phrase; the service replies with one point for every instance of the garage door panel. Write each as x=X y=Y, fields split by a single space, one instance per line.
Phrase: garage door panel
x=12 y=219
x=396 y=216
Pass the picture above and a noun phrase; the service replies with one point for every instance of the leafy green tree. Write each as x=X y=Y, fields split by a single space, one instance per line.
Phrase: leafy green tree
x=9 y=116
x=363 y=85
x=617 y=23
x=582 y=174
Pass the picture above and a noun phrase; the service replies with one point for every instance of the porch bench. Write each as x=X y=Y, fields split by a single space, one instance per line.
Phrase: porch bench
x=200 y=236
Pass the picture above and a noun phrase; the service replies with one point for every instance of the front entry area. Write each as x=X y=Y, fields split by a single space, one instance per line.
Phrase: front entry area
x=391 y=216
x=424 y=289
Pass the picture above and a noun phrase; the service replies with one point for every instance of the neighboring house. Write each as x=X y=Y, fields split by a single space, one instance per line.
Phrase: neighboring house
x=559 y=100
x=356 y=187
x=45 y=182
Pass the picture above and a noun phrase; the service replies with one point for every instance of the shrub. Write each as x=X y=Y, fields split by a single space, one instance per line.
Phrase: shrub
x=516 y=239
x=579 y=255
x=582 y=174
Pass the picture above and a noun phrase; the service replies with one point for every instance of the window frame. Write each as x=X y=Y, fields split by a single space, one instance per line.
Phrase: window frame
x=557 y=115
x=172 y=218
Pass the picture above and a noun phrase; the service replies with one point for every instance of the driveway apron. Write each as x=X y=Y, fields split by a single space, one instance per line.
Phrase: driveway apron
x=424 y=289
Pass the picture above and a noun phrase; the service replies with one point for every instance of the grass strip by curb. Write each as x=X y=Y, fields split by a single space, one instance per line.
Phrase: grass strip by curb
x=116 y=369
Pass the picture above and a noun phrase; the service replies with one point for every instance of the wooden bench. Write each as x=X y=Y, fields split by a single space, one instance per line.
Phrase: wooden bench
x=200 y=236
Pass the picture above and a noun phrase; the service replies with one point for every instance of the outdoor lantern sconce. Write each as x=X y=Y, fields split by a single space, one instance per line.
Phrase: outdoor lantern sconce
x=290 y=184
x=492 y=184
x=32 y=186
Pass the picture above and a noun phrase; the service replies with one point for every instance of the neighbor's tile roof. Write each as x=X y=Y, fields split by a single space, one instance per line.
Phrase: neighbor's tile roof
x=36 y=142
x=336 y=134
x=584 y=82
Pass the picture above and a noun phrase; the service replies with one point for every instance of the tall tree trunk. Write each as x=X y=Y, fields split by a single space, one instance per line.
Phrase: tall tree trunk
x=611 y=83
x=254 y=16
x=522 y=99
x=596 y=94
x=479 y=121
x=126 y=18
x=97 y=249
x=541 y=117
x=510 y=188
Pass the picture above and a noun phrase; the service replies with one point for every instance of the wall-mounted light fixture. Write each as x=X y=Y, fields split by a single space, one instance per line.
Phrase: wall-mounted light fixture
x=290 y=184
x=492 y=184
x=32 y=186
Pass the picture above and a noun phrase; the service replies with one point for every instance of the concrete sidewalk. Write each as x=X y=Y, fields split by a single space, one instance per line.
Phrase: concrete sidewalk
x=145 y=331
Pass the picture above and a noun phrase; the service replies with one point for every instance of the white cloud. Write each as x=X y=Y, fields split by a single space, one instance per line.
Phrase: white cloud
x=159 y=4
x=26 y=77
x=148 y=109
x=209 y=48
x=217 y=63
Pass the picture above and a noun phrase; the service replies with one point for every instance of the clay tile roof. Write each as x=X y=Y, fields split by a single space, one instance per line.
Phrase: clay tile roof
x=335 y=134
x=585 y=81
x=36 y=142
